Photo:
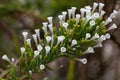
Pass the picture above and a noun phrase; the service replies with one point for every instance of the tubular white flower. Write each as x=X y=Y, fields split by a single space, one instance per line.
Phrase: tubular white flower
x=36 y=53
x=98 y=45
x=52 y=40
x=69 y=13
x=30 y=72
x=113 y=14
x=96 y=36
x=5 y=57
x=48 y=39
x=60 y=17
x=42 y=66
x=29 y=42
x=25 y=35
x=88 y=7
x=107 y=35
x=65 y=25
x=84 y=60
x=60 y=39
x=114 y=26
x=102 y=13
x=108 y=21
x=74 y=42
x=95 y=5
x=64 y=13
x=45 y=27
x=37 y=31
x=77 y=18
x=88 y=35
x=95 y=16
x=88 y=17
x=47 y=49
x=63 y=49
x=35 y=38
x=39 y=47
x=101 y=5
x=13 y=60
x=82 y=11
x=22 y=49
x=50 y=26
x=73 y=11
x=101 y=39
x=50 y=19
x=89 y=50
x=88 y=12
x=92 y=23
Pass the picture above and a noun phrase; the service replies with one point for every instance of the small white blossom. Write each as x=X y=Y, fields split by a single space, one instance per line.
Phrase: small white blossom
x=96 y=36
x=69 y=13
x=37 y=31
x=107 y=36
x=64 y=13
x=13 y=60
x=92 y=23
x=95 y=16
x=101 y=5
x=60 y=39
x=45 y=27
x=73 y=11
x=84 y=60
x=22 y=49
x=50 y=19
x=30 y=72
x=102 y=13
x=88 y=7
x=88 y=35
x=108 y=21
x=88 y=17
x=48 y=39
x=74 y=42
x=39 y=47
x=82 y=11
x=50 y=26
x=35 y=38
x=88 y=12
x=89 y=50
x=36 y=53
x=63 y=49
x=95 y=5
x=101 y=39
x=113 y=14
x=42 y=66
x=114 y=26
x=47 y=49
x=29 y=42
x=77 y=18
x=65 y=25
x=25 y=35
x=5 y=57
x=98 y=45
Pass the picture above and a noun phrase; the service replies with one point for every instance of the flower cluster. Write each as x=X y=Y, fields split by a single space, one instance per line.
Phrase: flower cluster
x=77 y=35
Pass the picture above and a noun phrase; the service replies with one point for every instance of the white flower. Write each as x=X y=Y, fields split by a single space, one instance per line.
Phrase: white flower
x=98 y=45
x=74 y=42
x=37 y=31
x=101 y=5
x=73 y=11
x=30 y=72
x=64 y=13
x=95 y=5
x=65 y=25
x=50 y=26
x=88 y=8
x=88 y=12
x=77 y=18
x=22 y=49
x=48 y=38
x=89 y=50
x=69 y=13
x=5 y=57
x=96 y=36
x=107 y=36
x=45 y=27
x=88 y=35
x=47 y=49
x=102 y=13
x=13 y=60
x=35 y=38
x=36 y=53
x=113 y=14
x=60 y=17
x=88 y=17
x=92 y=23
x=28 y=42
x=108 y=21
x=101 y=39
x=25 y=35
x=82 y=10
x=39 y=47
x=63 y=49
x=42 y=66
x=84 y=60
x=95 y=15
x=50 y=19
x=60 y=39
x=114 y=26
